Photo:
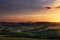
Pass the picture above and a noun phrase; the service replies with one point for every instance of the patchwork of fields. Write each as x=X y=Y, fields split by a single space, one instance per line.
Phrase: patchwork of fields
x=29 y=31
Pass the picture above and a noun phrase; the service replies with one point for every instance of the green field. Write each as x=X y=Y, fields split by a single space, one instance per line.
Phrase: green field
x=50 y=33
x=18 y=38
x=31 y=35
x=15 y=38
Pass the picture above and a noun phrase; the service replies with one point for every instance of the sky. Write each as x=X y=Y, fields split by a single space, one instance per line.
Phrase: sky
x=29 y=10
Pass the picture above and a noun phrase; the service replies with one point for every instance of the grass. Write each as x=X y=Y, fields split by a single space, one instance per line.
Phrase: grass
x=19 y=38
x=43 y=33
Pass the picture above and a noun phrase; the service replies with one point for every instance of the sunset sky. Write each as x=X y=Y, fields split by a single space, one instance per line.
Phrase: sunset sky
x=30 y=10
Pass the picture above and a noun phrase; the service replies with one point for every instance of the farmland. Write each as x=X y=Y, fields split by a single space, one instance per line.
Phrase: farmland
x=29 y=31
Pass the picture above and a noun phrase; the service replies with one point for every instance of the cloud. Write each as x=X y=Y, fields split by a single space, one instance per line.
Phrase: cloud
x=52 y=7
x=10 y=6
x=48 y=7
x=58 y=7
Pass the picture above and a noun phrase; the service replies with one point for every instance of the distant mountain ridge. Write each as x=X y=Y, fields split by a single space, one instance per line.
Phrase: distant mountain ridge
x=29 y=23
